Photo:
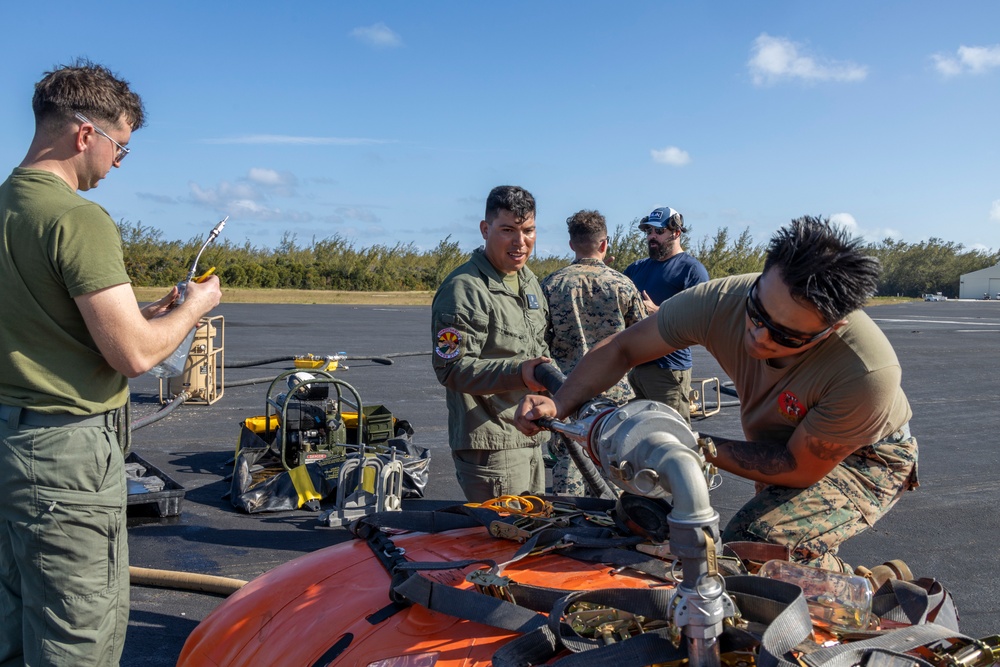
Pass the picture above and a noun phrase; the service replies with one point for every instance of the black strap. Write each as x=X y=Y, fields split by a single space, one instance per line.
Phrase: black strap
x=533 y=648
x=915 y=603
x=469 y=605
x=781 y=607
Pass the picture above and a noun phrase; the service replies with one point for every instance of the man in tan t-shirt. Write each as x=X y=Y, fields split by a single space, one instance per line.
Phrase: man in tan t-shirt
x=826 y=422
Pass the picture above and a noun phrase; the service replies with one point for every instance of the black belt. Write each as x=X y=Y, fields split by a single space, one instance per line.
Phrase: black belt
x=17 y=416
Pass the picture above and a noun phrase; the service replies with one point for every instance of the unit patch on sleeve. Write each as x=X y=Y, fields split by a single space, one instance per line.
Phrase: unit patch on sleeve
x=448 y=343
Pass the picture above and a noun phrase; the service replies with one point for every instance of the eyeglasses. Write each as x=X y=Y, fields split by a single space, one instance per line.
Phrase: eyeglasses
x=780 y=335
x=659 y=231
x=122 y=151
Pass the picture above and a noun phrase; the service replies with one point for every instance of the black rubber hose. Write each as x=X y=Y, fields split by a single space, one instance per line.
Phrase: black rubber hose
x=728 y=391
x=258 y=362
x=394 y=355
x=244 y=383
x=386 y=359
x=549 y=377
x=723 y=404
x=163 y=412
x=552 y=378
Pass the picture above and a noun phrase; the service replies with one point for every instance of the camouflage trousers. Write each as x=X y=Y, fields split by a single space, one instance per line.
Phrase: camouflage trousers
x=814 y=521
x=567 y=480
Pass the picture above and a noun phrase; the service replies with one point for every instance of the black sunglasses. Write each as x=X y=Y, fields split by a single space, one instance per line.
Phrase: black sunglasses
x=783 y=337
x=659 y=231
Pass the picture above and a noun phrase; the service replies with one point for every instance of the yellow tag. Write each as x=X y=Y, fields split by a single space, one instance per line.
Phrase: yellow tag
x=710 y=555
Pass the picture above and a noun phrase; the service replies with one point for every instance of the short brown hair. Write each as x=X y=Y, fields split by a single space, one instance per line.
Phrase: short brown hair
x=88 y=88
x=587 y=229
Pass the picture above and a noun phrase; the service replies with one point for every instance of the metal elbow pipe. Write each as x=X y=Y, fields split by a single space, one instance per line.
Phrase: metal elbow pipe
x=683 y=469
x=647 y=449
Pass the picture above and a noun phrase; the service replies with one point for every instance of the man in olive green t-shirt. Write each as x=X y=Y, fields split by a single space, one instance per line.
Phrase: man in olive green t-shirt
x=825 y=420
x=71 y=335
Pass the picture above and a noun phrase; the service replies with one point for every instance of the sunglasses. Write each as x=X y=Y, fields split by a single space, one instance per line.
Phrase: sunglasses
x=659 y=231
x=780 y=335
x=122 y=151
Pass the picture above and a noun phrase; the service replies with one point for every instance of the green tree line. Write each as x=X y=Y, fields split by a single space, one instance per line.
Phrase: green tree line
x=334 y=263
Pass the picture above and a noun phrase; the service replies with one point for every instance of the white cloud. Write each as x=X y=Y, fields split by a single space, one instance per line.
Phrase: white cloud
x=159 y=199
x=246 y=196
x=223 y=193
x=845 y=220
x=355 y=213
x=968 y=60
x=872 y=235
x=995 y=210
x=298 y=141
x=775 y=59
x=257 y=186
x=671 y=155
x=270 y=177
x=247 y=208
x=251 y=198
x=378 y=35
x=876 y=234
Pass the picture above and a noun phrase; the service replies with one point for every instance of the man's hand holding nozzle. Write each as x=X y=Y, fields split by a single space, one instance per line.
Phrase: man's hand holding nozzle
x=531 y=408
x=208 y=292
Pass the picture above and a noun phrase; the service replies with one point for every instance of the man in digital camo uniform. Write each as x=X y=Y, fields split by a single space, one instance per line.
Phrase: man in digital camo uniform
x=488 y=326
x=588 y=301
x=667 y=271
x=826 y=421
x=78 y=332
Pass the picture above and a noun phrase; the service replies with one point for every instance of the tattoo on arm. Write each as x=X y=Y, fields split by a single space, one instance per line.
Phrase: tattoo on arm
x=827 y=451
x=767 y=458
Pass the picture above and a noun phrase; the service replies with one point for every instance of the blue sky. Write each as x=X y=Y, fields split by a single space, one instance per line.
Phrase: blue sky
x=389 y=122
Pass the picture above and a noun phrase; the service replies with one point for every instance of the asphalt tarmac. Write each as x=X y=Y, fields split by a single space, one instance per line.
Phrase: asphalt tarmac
x=947 y=529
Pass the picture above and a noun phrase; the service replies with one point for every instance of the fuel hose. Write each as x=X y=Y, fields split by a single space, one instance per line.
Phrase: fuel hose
x=552 y=378
x=162 y=412
x=186 y=581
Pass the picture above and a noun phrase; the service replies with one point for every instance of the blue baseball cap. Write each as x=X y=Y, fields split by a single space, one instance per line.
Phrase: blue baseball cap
x=664 y=217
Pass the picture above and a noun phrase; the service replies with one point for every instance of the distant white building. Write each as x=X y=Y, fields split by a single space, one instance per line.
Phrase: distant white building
x=985 y=281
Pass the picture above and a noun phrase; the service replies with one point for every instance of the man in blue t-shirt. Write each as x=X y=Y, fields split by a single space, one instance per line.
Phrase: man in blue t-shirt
x=668 y=270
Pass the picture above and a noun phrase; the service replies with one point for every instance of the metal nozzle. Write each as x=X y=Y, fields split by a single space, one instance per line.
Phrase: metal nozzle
x=212 y=235
x=577 y=431
x=217 y=229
